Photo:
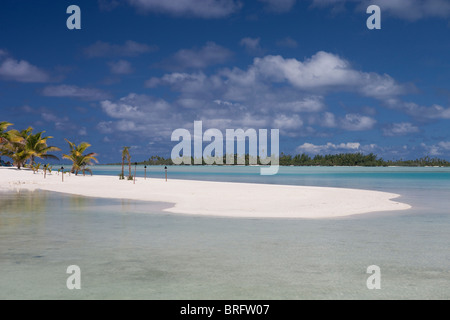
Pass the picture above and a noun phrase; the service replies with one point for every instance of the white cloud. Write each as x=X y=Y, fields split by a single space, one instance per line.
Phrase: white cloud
x=60 y=123
x=349 y=122
x=405 y=9
x=329 y=120
x=141 y=114
x=420 y=112
x=287 y=122
x=191 y=103
x=120 y=67
x=399 y=129
x=357 y=122
x=307 y=104
x=438 y=149
x=21 y=71
x=195 y=8
x=183 y=82
x=105 y=127
x=330 y=148
x=74 y=92
x=324 y=72
x=273 y=86
x=198 y=58
x=444 y=145
x=128 y=49
x=135 y=107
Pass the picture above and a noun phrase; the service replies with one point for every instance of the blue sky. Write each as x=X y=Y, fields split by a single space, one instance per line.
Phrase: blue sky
x=139 y=69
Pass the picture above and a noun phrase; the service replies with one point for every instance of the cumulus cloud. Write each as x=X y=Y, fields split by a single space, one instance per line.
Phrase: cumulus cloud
x=324 y=72
x=20 y=70
x=135 y=107
x=197 y=58
x=400 y=129
x=128 y=49
x=70 y=91
x=141 y=114
x=275 y=88
x=207 y=9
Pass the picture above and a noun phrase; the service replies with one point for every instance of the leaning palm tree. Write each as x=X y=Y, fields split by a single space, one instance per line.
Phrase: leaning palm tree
x=3 y=134
x=125 y=154
x=78 y=158
x=7 y=138
x=14 y=146
x=37 y=147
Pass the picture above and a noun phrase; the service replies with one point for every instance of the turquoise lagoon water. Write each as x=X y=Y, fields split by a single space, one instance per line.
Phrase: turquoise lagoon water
x=134 y=250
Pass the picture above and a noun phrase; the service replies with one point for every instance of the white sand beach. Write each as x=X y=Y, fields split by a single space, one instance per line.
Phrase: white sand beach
x=212 y=198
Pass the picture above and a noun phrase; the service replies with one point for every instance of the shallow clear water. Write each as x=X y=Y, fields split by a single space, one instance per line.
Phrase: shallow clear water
x=133 y=250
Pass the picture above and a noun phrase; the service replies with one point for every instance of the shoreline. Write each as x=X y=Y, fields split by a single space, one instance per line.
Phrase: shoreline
x=211 y=198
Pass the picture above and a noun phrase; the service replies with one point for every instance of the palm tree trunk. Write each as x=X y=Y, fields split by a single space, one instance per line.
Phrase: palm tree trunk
x=129 y=167
x=31 y=161
x=123 y=163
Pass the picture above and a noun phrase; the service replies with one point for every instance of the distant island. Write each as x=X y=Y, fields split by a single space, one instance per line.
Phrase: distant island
x=342 y=159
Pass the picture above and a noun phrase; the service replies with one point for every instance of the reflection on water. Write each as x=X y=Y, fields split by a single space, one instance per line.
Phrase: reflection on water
x=132 y=250
x=22 y=208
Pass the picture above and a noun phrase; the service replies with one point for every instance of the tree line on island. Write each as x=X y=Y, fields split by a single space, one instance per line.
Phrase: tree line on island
x=341 y=159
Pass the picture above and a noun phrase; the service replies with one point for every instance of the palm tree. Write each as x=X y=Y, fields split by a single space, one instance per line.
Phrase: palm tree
x=80 y=160
x=7 y=137
x=3 y=134
x=23 y=145
x=15 y=146
x=125 y=154
x=37 y=147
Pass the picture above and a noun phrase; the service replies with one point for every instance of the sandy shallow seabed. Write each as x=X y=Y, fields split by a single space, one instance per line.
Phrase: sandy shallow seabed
x=213 y=198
